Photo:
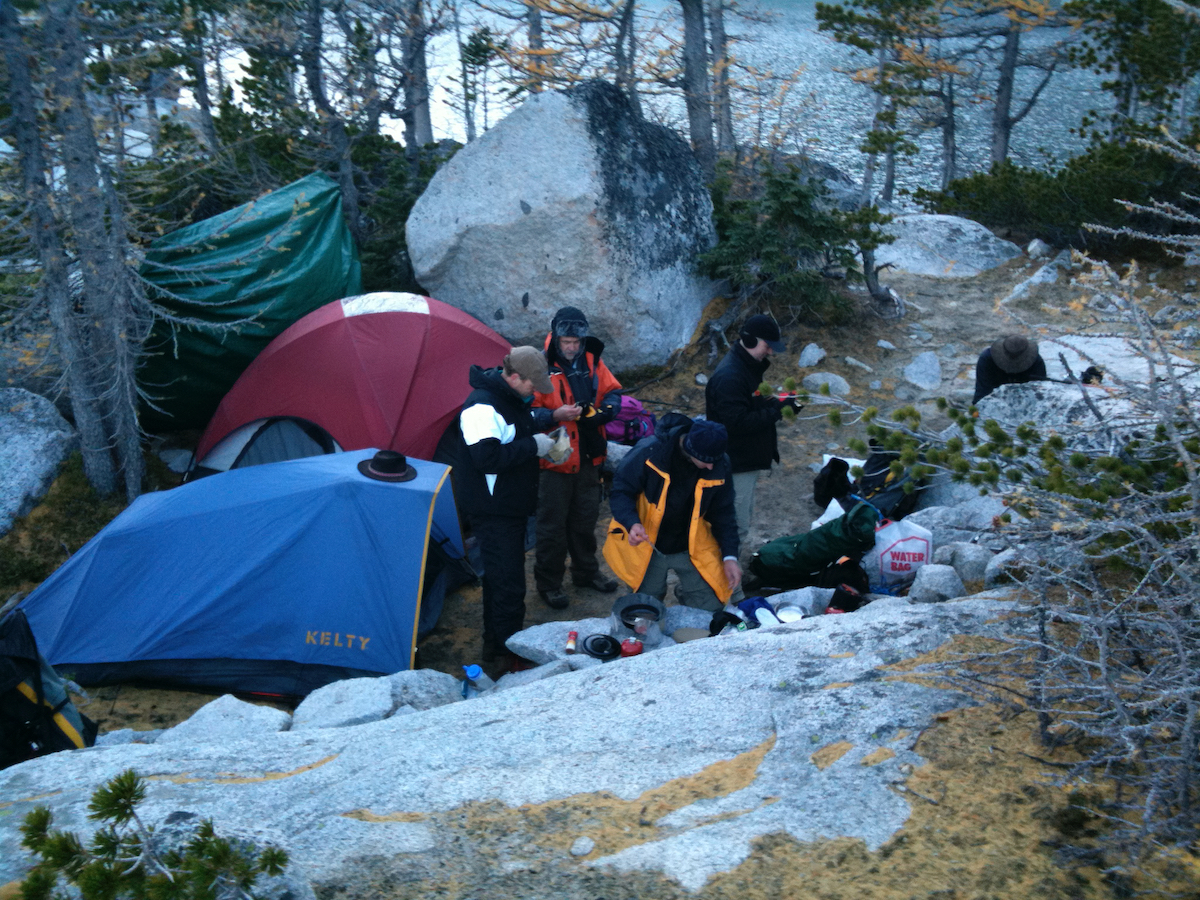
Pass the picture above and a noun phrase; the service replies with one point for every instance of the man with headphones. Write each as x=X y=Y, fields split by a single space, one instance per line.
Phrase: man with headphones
x=731 y=398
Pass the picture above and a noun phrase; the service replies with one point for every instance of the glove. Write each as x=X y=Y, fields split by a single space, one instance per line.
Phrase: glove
x=545 y=444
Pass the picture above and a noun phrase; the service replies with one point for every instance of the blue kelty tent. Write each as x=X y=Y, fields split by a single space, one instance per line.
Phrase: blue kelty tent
x=275 y=579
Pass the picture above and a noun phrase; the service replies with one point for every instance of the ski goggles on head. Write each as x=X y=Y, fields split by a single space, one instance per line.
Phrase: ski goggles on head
x=575 y=328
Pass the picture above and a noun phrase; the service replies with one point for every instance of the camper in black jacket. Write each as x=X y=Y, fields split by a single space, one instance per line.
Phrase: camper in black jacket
x=497 y=484
x=731 y=399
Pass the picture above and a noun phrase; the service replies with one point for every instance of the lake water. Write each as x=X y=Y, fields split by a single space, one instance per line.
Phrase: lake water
x=841 y=109
x=836 y=112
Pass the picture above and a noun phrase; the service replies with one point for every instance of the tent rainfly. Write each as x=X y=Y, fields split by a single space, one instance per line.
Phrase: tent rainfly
x=385 y=370
x=274 y=579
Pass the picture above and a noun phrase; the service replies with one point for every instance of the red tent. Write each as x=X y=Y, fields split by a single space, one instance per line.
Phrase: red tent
x=382 y=370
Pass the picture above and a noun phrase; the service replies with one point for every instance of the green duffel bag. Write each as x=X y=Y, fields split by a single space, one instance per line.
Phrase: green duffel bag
x=791 y=562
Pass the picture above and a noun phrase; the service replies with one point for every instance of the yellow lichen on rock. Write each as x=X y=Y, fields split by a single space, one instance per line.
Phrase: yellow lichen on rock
x=830 y=753
x=875 y=757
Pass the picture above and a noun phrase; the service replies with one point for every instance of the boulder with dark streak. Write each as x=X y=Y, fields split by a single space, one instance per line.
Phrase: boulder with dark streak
x=572 y=200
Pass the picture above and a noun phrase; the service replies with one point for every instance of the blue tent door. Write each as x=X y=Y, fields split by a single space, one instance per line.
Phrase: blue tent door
x=275 y=578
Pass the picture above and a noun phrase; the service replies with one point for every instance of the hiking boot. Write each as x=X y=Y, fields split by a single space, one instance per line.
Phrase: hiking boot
x=556 y=598
x=505 y=663
x=599 y=583
x=494 y=652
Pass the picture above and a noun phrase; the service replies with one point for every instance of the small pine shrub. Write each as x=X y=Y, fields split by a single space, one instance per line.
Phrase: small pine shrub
x=1058 y=205
x=777 y=235
x=125 y=859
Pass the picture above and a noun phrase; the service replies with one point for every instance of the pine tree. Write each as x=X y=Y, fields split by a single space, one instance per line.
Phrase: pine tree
x=127 y=858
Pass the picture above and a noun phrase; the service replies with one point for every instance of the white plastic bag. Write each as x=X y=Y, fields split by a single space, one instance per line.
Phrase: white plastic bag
x=900 y=549
x=832 y=511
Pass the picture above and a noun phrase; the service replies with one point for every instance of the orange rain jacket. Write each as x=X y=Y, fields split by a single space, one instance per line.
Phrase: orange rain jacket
x=592 y=447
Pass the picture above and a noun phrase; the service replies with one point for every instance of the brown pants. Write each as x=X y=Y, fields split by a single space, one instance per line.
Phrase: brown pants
x=568 y=507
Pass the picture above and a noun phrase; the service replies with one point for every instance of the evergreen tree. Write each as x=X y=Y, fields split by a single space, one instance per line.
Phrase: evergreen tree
x=888 y=31
x=1150 y=52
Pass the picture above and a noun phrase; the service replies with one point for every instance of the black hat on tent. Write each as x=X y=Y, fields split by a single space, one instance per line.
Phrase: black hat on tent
x=387 y=465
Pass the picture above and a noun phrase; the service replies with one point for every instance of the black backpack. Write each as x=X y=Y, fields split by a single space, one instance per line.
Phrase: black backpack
x=893 y=494
x=832 y=483
x=36 y=715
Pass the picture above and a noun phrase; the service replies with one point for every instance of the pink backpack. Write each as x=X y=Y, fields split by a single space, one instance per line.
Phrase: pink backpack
x=632 y=423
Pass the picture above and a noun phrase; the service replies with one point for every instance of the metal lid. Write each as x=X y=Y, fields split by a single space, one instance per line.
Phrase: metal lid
x=603 y=647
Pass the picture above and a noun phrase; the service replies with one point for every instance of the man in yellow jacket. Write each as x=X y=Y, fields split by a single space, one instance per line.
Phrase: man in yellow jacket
x=581 y=396
x=672 y=504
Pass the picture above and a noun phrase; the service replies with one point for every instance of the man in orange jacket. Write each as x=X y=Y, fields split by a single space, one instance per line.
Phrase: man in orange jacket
x=569 y=492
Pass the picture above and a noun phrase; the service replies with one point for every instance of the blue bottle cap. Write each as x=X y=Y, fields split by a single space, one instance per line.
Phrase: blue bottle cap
x=473 y=672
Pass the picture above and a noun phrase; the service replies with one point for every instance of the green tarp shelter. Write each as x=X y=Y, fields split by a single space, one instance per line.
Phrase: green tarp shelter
x=264 y=264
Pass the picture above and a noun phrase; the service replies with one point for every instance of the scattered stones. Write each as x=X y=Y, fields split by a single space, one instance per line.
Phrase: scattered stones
x=34 y=441
x=1047 y=274
x=885 y=345
x=811 y=601
x=701 y=379
x=876 y=385
x=1002 y=568
x=943 y=246
x=925 y=371
x=838 y=386
x=1037 y=249
x=969 y=560
x=353 y=701
x=424 y=688
x=858 y=364
x=224 y=720
x=582 y=846
x=964 y=522
x=810 y=356
x=616 y=453
x=936 y=584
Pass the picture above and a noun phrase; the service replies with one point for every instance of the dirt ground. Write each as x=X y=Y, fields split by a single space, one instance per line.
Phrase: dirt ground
x=986 y=823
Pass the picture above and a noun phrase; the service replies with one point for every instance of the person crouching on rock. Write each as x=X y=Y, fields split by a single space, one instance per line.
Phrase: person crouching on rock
x=672 y=505
x=1012 y=359
x=569 y=492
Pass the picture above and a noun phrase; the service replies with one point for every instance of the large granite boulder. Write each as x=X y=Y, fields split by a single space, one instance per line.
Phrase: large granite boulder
x=805 y=710
x=34 y=441
x=943 y=247
x=572 y=200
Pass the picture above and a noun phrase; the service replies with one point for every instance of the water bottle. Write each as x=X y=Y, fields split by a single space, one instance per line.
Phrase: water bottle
x=476 y=683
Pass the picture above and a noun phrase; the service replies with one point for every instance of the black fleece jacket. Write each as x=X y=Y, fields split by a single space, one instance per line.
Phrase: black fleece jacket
x=514 y=463
x=750 y=420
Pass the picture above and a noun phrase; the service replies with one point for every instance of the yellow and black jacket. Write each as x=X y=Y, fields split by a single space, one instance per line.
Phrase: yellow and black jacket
x=639 y=494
